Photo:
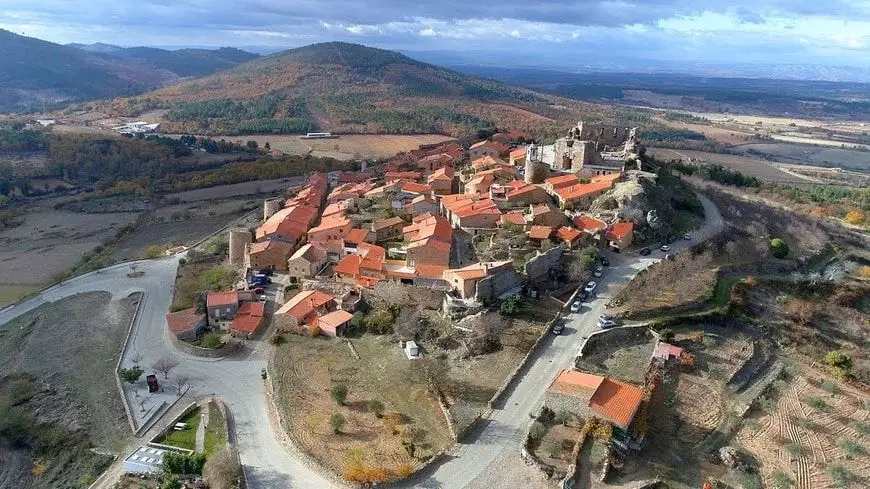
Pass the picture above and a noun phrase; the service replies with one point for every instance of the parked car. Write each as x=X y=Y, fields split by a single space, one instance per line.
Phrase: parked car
x=558 y=328
x=607 y=324
x=259 y=291
x=262 y=278
x=665 y=248
x=575 y=307
x=687 y=236
x=590 y=287
x=645 y=251
x=605 y=261
x=267 y=272
x=262 y=298
x=598 y=272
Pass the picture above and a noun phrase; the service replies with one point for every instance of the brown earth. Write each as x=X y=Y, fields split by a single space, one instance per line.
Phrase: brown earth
x=748 y=166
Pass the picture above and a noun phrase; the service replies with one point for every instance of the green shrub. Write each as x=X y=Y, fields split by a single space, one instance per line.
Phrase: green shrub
x=380 y=322
x=778 y=248
x=537 y=430
x=830 y=387
x=339 y=394
x=861 y=427
x=511 y=306
x=850 y=447
x=796 y=450
x=153 y=251
x=841 y=476
x=376 y=407
x=781 y=480
x=337 y=422
x=130 y=375
x=211 y=340
x=817 y=404
x=564 y=416
x=176 y=463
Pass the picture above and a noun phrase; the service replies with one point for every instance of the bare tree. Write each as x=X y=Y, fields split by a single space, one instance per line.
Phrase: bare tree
x=180 y=382
x=164 y=365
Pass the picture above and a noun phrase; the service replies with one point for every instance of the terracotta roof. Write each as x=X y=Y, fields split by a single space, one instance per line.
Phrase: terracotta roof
x=483 y=206
x=567 y=234
x=497 y=146
x=387 y=223
x=356 y=236
x=310 y=252
x=540 y=232
x=573 y=382
x=183 y=321
x=541 y=209
x=513 y=218
x=589 y=223
x=349 y=265
x=400 y=175
x=487 y=162
x=335 y=208
x=303 y=303
x=429 y=227
x=430 y=271
x=616 y=400
x=563 y=180
x=477 y=271
x=249 y=318
x=415 y=188
x=518 y=153
x=331 y=321
x=331 y=222
x=619 y=230
x=292 y=221
x=667 y=350
x=272 y=245
x=606 y=178
x=446 y=173
x=582 y=190
x=219 y=299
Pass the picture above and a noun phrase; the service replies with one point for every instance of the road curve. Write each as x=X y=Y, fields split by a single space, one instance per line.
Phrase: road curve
x=237 y=380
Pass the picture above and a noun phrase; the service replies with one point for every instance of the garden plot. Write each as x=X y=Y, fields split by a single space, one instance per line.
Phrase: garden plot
x=815 y=434
x=623 y=353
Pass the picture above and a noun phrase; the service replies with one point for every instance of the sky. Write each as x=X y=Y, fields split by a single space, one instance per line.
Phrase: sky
x=819 y=32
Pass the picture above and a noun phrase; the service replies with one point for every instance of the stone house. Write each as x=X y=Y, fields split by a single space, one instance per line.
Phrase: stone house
x=619 y=236
x=269 y=254
x=307 y=262
x=587 y=395
x=388 y=229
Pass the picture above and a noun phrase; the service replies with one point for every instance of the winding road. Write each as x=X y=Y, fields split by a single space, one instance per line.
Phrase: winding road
x=237 y=380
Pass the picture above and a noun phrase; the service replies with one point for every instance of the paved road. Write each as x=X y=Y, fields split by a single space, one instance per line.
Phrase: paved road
x=237 y=380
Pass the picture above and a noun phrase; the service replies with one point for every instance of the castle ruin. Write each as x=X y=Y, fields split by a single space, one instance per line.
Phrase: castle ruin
x=588 y=150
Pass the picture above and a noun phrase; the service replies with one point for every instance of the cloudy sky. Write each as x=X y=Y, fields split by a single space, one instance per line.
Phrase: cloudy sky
x=824 y=32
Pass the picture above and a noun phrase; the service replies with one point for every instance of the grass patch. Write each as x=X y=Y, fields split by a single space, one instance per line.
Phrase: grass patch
x=861 y=427
x=817 y=404
x=187 y=438
x=722 y=290
x=841 y=476
x=830 y=387
x=850 y=447
x=781 y=480
x=215 y=430
x=10 y=294
x=807 y=424
x=796 y=450
x=748 y=481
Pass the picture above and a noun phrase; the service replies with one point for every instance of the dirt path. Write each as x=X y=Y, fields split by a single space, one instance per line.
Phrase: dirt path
x=200 y=430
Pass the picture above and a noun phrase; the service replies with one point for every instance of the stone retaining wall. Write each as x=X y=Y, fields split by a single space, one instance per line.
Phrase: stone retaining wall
x=226 y=350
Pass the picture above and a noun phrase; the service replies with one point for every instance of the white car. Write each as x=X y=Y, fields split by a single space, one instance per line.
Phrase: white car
x=605 y=317
x=598 y=272
x=607 y=324
x=687 y=236
x=665 y=248
x=590 y=287
x=263 y=298
x=575 y=307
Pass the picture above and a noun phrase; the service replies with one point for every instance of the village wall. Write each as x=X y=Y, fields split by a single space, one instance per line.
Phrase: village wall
x=538 y=267
x=491 y=287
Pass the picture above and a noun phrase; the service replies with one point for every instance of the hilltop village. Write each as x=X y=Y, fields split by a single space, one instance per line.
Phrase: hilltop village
x=436 y=217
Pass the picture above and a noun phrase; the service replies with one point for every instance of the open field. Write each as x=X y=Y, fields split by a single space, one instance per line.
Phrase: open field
x=816 y=424
x=9 y=294
x=58 y=360
x=622 y=353
x=722 y=135
x=813 y=155
x=49 y=241
x=236 y=189
x=748 y=166
x=347 y=147
x=306 y=369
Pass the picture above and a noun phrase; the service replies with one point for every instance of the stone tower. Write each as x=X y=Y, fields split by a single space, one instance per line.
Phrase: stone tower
x=536 y=171
x=239 y=240
x=270 y=207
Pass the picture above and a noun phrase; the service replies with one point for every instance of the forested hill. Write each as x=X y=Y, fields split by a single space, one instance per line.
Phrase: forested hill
x=39 y=75
x=342 y=87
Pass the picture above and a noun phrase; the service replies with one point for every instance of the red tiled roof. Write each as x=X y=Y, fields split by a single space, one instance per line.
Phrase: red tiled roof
x=183 y=321
x=331 y=321
x=563 y=180
x=619 y=230
x=589 y=223
x=540 y=232
x=495 y=145
x=271 y=244
x=349 y=265
x=513 y=218
x=667 y=350
x=568 y=235
x=616 y=400
x=518 y=153
x=416 y=188
x=249 y=318
x=220 y=299
x=582 y=190
x=310 y=252
x=303 y=303
x=356 y=236
x=430 y=271
x=387 y=223
x=487 y=162
x=573 y=382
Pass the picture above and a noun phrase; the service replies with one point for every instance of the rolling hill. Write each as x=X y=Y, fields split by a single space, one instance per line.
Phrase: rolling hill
x=37 y=75
x=350 y=88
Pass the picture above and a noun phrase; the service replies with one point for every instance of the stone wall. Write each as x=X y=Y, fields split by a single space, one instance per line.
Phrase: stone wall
x=538 y=268
x=228 y=349
x=491 y=287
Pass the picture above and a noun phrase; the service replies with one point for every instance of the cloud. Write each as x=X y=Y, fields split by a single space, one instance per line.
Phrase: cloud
x=662 y=29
